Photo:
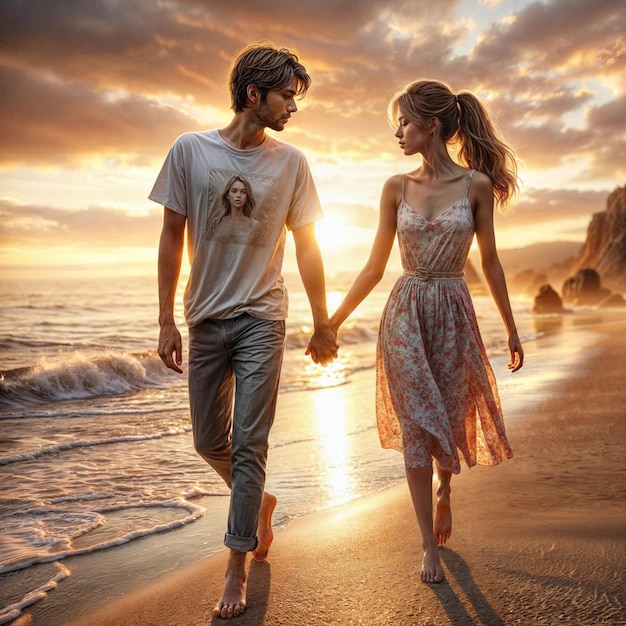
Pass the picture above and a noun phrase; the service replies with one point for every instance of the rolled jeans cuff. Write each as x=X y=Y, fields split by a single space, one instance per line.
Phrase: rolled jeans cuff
x=240 y=544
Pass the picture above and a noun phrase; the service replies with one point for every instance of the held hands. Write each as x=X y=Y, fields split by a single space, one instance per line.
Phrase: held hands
x=516 y=352
x=323 y=345
x=171 y=347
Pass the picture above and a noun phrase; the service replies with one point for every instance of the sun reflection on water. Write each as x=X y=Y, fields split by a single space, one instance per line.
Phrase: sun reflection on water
x=335 y=446
x=333 y=375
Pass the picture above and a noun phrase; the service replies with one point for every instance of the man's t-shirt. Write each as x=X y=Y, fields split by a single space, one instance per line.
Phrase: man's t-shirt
x=236 y=260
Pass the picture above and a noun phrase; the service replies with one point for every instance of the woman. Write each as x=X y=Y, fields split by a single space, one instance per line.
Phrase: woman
x=237 y=199
x=237 y=225
x=436 y=396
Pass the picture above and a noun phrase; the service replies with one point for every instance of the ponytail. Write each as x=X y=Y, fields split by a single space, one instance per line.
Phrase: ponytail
x=483 y=148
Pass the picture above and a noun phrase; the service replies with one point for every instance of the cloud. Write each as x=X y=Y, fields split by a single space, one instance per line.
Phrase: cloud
x=118 y=81
x=542 y=206
x=139 y=46
x=122 y=77
x=97 y=80
x=557 y=36
x=40 y=227
x=607 y=124
x=49 y=121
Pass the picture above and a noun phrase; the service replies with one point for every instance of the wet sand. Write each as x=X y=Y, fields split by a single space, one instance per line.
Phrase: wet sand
x=539 y=540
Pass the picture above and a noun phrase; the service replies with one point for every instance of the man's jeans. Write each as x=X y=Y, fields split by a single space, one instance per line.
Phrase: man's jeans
x=236 y=362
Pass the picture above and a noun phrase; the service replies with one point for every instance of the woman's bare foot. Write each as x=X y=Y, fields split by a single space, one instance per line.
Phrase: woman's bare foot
x=264 y=531
x=233 y=600
x=442 y=526
x=432 y=572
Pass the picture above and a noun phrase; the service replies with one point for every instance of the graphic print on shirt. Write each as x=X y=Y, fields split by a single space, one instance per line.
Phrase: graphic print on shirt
x=238 y=207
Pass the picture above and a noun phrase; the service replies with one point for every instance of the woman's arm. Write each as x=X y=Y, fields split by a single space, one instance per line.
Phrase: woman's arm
x=482 y=194
x=374 y=269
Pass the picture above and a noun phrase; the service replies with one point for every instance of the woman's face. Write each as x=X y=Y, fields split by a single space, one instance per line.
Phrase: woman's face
x=237 y=194
x=411 y=136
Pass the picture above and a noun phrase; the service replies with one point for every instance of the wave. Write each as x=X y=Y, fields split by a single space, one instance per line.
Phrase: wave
x=79 y=376
x=16 y=558
x=17 y=349
x=14 y=610
x=72 y=445
x=87 y=373
x=21 y=344
x=96 y=520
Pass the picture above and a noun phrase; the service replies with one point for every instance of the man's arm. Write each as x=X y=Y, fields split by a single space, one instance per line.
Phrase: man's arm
x=323 y=345
x=171 y=247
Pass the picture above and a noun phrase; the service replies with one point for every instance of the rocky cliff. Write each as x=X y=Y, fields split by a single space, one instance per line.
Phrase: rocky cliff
x=605 y=247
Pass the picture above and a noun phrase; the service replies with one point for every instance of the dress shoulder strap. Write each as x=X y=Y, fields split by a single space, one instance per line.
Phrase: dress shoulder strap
x=403 y=179
x=469 y=182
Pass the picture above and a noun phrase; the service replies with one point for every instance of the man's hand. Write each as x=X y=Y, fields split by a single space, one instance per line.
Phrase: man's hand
x=323 y=346
x=171 y=347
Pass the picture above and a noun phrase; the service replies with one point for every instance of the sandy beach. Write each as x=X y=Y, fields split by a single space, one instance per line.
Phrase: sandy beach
x=539 y=540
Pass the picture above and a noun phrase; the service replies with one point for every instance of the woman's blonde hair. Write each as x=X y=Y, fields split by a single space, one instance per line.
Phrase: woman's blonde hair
x=463 y=119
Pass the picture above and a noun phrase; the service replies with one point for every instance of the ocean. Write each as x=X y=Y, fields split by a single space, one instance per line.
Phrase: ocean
x=95 y=439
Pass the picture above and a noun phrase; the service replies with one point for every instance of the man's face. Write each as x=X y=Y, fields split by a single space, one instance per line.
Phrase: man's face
x=276 y=109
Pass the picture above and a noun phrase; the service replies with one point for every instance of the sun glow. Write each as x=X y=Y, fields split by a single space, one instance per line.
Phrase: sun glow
x=331 y=233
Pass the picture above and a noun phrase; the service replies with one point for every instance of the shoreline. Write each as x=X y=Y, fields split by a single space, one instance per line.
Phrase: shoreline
x=333 y=566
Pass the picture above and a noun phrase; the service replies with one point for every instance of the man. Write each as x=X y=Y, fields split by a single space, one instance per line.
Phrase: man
x=235 y=301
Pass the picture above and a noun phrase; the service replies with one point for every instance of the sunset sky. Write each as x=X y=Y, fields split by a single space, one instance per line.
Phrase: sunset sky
x=94 y=92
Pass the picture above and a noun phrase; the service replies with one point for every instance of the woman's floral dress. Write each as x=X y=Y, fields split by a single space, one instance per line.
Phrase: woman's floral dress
x=436 y=394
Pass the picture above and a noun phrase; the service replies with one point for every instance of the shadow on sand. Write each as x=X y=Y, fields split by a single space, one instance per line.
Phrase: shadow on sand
x=460 y=593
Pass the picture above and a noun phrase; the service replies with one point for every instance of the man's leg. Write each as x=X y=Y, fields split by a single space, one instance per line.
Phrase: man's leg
x=211 y=393
x=257 y=362
x=257 y=350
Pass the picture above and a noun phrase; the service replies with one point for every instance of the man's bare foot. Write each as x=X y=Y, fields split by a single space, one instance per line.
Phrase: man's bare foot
x=264 y=531
x=233 y=600
x=432 y=572
x=442 y=526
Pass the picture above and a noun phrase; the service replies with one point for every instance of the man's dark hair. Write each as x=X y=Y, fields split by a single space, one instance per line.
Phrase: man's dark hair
x=267 y=68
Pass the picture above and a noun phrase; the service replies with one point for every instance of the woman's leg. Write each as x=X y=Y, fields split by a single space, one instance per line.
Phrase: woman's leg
x=442 y=526
x=420 y=485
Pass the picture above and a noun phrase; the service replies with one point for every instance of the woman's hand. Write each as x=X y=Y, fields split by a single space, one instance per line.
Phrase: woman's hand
x=516 y=352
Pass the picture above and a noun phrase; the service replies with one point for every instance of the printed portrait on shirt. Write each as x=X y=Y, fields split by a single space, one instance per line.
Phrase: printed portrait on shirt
x=237 y=208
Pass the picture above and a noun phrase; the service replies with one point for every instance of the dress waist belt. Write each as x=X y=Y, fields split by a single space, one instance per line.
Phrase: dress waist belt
x=424 y=274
